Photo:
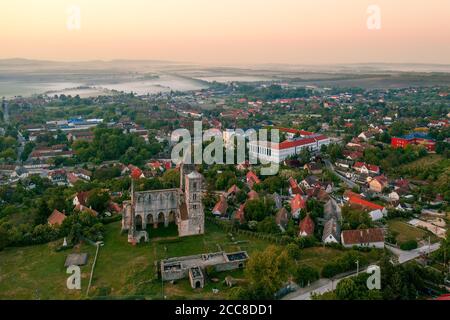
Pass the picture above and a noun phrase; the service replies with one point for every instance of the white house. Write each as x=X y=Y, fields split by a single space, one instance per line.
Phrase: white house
x=373 y=238
x=331 y=233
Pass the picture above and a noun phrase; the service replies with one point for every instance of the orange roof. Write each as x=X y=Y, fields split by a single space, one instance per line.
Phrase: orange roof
x=296 y=131
x=233 y=189
x=364 y=203
x=240 y=213
x=251 y=176
x=136 y=173
x=297 y=203
x=221 y=206
x=56 y=218
x=307 y=226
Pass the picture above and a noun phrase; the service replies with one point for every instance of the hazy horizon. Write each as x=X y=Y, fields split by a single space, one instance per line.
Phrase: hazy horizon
x=251 y=32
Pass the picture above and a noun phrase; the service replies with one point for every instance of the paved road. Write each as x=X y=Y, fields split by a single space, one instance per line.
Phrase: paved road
x=323 y=285
x=320 y=286
x=350 y=183
x=404 y=256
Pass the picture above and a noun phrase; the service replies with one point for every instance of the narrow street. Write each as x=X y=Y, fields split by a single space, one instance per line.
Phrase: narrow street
x=323 y=285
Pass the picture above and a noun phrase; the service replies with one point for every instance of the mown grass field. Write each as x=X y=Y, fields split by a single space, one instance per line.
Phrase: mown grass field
x=124 y=271
x=407 y=232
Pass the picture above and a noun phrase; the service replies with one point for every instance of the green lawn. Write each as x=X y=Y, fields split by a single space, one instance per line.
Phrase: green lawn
x=126 y=271
x=121 y=269
x=407 y=232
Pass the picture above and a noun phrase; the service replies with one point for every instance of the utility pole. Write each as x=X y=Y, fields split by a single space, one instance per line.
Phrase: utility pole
x=357 y=267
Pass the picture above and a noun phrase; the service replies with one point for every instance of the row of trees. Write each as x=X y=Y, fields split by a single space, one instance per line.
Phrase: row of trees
x=113 y=144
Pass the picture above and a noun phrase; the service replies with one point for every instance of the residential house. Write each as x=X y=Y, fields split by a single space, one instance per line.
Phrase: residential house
x=366 y=168
x=345 y=164
x=278 y=200
x=331 y=209
x=310 y=182
x=331 y=231
x=367 y=135
x=252 y=179
x=83 y=174
x=376 y=211
x=378 y=183
x=306 y=226
x=352 y=155
x=58 y=176
x=56 y=218
x=239 y=214
x=282 y=218
x=294 y=187
x=297 y=204
x=232 y=191
x=136 y=173
x=402 y=186
x=318 y=193
x=81 y=198
x=220 y=209
x=373 y=238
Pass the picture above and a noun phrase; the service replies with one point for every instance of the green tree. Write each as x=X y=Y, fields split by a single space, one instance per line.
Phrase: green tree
x=267 y=271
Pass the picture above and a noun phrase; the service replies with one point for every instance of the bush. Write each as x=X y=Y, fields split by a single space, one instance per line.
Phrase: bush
x=409 y=245
x=293 y=251
x=343 y=264
x=305 y=275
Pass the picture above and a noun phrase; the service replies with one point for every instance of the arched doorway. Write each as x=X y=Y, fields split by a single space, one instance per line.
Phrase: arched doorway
x=172 y=217
x=160 y=218
x=197 y=284
x=138 y=222
x=150 y=219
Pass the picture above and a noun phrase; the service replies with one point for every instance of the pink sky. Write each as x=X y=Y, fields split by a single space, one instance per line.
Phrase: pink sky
x=231 y=31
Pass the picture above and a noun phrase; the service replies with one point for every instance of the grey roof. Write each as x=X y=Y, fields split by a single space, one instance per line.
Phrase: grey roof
x=331 y=227
x=194 y=175
x=332 y=210
x=76 y=259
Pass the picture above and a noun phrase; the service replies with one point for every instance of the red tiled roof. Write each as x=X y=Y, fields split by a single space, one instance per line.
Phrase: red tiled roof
x=56 y=218
x=307 y=226
x=362 y=236
x=381 y=179
x=233 y=189
x=296 y=131
x=371 y=167
x=136 y=173
x=364 y=203
x=82 y=197
x=251 y=176
x=297 y=203
x=221 y=206
x=240 y=213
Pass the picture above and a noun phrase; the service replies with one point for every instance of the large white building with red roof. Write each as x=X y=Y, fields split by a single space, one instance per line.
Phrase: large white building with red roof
x=296 y=142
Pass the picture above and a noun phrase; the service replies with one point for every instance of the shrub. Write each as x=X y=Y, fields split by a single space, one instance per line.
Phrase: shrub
x=305 y=275
x=409 y=245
